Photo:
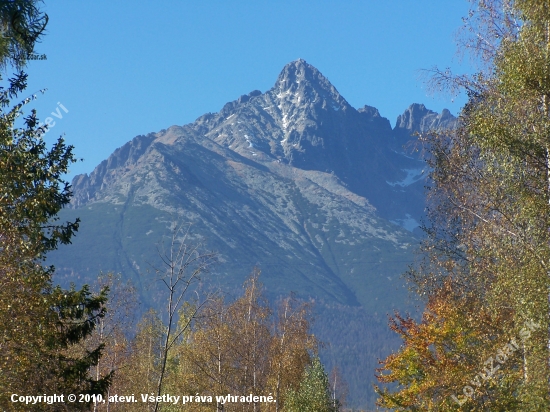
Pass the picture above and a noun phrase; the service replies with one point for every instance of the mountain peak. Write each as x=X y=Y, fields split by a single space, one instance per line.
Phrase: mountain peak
x=299 y=70
x=417 y=118
x=299 y=74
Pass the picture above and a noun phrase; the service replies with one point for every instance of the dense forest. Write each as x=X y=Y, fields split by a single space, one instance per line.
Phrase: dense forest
x=481 y=343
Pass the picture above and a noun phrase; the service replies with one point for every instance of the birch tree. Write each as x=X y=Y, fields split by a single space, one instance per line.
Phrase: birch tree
x=183 y=265
x=490 y=192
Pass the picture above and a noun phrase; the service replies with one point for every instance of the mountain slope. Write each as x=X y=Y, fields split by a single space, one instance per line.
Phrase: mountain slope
x=320 y=196
x=304 y=228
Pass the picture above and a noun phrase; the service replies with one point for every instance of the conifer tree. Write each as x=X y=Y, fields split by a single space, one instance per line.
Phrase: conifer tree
x=22 y=24
x=39 y=322
x=313 y=394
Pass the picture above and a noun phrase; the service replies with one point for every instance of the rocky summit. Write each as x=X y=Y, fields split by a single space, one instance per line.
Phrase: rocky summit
x=323 y=198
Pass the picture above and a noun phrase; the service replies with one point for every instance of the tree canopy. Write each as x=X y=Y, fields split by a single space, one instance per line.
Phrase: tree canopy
x=39 y=322
x=22 y=25
x=488 y=242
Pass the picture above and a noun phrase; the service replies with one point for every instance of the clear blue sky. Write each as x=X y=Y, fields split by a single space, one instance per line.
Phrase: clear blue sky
x=124 y=68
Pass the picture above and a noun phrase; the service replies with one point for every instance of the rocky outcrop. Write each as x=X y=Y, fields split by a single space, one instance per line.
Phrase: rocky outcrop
x=379 y=124
x=418 y=119
x=86 y=188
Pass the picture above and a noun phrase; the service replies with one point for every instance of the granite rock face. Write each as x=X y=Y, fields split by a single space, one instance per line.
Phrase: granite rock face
x=302 y=122
x=419 y=119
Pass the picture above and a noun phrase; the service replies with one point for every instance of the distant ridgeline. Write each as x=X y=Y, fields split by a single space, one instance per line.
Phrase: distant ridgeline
x=322 y=197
